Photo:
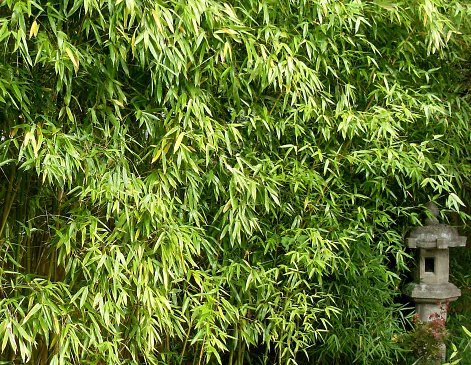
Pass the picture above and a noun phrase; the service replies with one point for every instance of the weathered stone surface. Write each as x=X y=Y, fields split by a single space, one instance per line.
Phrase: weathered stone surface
x=432 y=293
x=426 y=311
x=435 y=236
x=434 y=212
x=432 y=288
x=441 y=266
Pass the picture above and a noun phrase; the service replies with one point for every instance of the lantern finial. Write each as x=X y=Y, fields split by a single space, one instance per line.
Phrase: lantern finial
x=434 y=212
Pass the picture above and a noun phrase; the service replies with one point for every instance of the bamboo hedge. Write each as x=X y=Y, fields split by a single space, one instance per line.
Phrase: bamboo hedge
x=207 y=182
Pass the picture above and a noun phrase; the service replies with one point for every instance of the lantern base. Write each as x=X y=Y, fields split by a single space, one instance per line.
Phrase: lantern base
x=429 y=299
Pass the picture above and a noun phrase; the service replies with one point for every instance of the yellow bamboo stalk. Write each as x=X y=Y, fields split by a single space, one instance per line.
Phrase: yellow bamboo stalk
x=9 y=199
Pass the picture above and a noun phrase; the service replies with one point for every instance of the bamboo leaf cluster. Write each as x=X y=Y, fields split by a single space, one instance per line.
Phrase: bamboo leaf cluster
x=203 y=182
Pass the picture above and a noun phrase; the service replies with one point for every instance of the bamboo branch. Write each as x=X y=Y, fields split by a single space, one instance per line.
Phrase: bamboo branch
x=185 y=343
x=201 y=352
x=9 y=203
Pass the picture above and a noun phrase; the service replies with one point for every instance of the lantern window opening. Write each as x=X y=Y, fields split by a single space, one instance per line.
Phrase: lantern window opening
x=429 y=263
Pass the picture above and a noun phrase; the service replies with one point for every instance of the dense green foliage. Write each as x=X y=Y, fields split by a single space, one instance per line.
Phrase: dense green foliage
x=459 y=318
x=191 y=182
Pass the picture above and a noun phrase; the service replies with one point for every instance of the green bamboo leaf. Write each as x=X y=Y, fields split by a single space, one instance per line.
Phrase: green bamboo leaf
x=84 y=296
x=75 y=62
x=178 y=141
x=11 y=337
x=22 y=332
x=31 y=313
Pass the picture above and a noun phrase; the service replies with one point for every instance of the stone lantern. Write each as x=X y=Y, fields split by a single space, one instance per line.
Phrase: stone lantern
x=431 y=286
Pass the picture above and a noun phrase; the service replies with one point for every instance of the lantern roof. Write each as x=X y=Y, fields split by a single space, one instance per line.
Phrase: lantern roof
x=434 y=234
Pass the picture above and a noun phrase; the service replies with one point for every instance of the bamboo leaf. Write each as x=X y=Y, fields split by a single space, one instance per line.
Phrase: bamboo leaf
x=33 y=32
x=31 y=313
x=74 y=59
x=178 y=141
